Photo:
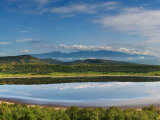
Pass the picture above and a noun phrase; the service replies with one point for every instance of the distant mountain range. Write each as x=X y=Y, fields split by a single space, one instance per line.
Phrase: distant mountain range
x=101 y=54
x=81 y=55
x=30 y=59
x=151 y=61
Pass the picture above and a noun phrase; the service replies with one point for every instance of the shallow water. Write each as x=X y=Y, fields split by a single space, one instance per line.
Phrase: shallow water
x=86 y=94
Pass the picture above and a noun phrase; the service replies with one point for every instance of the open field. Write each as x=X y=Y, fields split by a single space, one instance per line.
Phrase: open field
x=49 y=70
x=80 y=74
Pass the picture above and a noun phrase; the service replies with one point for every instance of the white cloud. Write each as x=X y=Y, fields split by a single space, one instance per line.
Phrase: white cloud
x=4 y=43
x=135 y=21
x=141 y=57
x=130 y=58
x=104 y=58
x=22 y=93
x=41 y=1
x=4 y=90
x=80 y=58
x=39 y=46
x=24 y=51
x=96 y=48
x=23 y=40
x=65 y=58
x=67 y=10
x=2 y=54
x=73 y=8
x=82 y=47
x=80 y=86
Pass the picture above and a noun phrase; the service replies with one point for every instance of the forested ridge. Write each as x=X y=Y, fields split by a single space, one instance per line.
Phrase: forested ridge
x=23 y=112
x=27 y=59
x=38 y=68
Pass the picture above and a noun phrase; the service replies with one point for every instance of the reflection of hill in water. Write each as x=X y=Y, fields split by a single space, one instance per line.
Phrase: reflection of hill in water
x=29 y=81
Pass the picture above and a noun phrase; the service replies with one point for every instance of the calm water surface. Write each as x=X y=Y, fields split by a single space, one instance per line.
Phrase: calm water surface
x=90 y=94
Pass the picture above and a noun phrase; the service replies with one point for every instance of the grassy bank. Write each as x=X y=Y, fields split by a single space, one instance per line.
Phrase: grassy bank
x=78 y=74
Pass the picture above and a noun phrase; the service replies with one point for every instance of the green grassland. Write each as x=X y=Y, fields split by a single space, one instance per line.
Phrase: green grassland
x=80 y=74
x=39 y=69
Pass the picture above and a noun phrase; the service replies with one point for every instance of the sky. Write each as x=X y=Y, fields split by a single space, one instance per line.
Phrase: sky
x=42 y=26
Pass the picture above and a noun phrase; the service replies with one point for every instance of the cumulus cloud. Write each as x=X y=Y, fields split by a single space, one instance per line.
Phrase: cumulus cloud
x=4 y=43
x=134 y=21
x=2 y=54
x=96 y=48
x=24 y=51
x=23 y=40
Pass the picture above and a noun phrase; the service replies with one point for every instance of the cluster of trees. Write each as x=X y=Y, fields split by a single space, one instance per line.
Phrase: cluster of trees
x=38 y=68
x=48 y=80
x=23 y=112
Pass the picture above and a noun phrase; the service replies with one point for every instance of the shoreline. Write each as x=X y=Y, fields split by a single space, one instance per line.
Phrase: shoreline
x=9 y=101
x=82 y=76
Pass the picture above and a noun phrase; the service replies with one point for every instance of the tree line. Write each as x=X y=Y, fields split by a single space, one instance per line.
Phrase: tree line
x=44 y=69
x=24 y=112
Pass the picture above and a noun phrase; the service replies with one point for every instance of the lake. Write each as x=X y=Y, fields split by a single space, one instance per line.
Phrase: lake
x=85 y=94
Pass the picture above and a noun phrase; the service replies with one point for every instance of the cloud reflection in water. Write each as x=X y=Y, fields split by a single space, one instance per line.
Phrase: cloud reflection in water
x=82 y=85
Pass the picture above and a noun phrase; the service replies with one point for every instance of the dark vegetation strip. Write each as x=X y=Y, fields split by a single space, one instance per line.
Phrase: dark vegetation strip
x=29 y=81
x=44 y=69
x=23 y=112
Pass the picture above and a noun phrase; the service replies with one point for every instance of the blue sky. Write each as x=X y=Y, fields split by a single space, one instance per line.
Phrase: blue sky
x=41 y=26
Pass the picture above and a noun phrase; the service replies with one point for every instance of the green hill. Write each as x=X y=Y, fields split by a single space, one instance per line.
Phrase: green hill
x=30 y=59
x=20 y=59
x=97 y=62
x=27 y=59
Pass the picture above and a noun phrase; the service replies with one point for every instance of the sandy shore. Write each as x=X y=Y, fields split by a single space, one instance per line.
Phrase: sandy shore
x=65 y=107
x=21 y=103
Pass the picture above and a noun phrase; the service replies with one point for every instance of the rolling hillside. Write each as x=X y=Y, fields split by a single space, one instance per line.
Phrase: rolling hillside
x=30 y=59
